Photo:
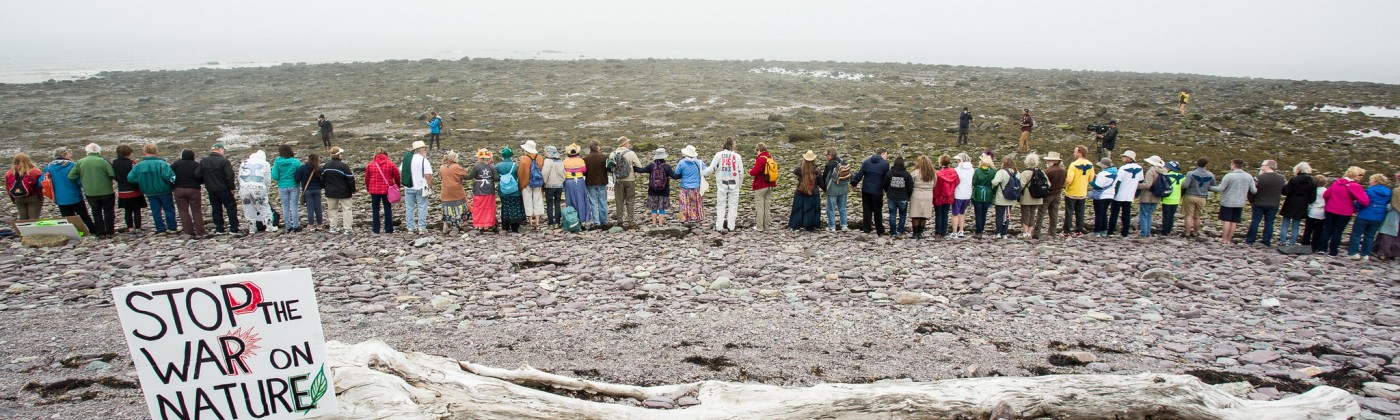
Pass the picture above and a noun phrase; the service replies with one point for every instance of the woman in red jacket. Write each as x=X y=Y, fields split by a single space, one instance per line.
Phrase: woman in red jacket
x=380 y=175
x=28 y=196
x=943 y=193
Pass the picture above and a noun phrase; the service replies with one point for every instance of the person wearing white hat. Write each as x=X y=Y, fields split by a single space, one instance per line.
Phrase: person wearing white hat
x=531 y=177
x=622 y=163
x=690 y=170
x=1147 y=201
x=1125 y=189
x=658 y=186
x=417 y=183
x=726 y=166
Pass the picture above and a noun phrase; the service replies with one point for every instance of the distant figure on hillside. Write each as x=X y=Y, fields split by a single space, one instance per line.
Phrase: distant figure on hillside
x=1027 y=124
x=434 y=131
x=327 y=130
x=964 y=123
x=1185 y=99
x=1108 y=140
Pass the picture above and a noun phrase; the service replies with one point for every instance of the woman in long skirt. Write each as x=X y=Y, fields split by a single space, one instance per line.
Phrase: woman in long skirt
x=513 y=204
x=454 y=196
x=483 y=192
x=806 y=202
x=691 y=201
x=575 y=192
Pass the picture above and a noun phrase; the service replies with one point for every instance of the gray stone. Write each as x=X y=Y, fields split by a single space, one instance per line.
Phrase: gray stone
x=1388 y=317
x=425 y=241
x=1270 y=303
x=1176 y=347
x=673 y=232
x=97 y=365
x=721 y=283
x=1159 y=274
x=878 y=295
x=1008 y=307
x=1381 y=390
x=659 y=402
x=687 y=401
x=1379 y=405
x=370 y=309
x=909 y=298
x=614 y=229
x=1380 y=352
x=1100 y=367
x=1073 y=358
x=1259 y=357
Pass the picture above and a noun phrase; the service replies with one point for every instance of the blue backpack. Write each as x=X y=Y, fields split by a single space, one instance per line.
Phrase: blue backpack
x=536 y=178
x=508 y=184
x=1012 y=189
x=570 y=220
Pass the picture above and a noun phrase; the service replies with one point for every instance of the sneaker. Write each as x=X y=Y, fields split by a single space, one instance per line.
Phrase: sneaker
x=831 y=229
x=1354 y=257
x=1366 y=258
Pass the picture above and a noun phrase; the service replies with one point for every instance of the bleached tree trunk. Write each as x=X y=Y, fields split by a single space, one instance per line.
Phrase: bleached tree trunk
x=373 y=380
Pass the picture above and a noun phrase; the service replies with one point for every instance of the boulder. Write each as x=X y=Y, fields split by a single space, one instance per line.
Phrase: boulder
x=44 y=240
x=674 y=232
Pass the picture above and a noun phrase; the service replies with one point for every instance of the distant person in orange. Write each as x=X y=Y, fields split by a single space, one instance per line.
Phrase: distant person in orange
x=1185 y=99
x=1026 y=125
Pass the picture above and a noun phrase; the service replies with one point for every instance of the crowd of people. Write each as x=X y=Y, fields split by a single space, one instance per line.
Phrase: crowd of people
x=508 y=189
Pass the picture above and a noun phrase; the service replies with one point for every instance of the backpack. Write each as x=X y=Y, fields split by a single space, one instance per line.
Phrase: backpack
x=508 y=184
x=658 y=177
x=1012 y=189
x=536 y=177
x=570 y=221
x=617 y=163
x=22 y=187
x=770 y=169
x=1161 y=187
x=1040 y=184
x=837 y=178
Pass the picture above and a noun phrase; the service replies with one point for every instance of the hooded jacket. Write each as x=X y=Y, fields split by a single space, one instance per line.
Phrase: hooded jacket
x=760 y=180
x=309 y=177
x=153 y=176
x=255 y=170
x=946 y=186
x=1298 y=194
x=381 y=174
x=284 y=171
x=898 y=184
x=1379 y=197
x=95 y=173
x=965 y=174
x=65 y=191
x=217 y=173
x=1077 y=178
x=337 y=179
x=1105 y=184
x=982 y=191
x=186 y=169
x=872 y=175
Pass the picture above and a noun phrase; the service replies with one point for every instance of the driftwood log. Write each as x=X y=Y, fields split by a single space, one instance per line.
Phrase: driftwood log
x=373 y=380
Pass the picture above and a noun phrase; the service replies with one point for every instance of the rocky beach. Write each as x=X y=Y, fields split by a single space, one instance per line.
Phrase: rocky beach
x=681 y=304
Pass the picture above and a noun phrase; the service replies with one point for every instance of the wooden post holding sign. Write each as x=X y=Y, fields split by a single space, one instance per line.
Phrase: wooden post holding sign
x=237 y=346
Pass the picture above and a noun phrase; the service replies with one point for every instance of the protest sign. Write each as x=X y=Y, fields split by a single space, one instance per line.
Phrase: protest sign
x=227 y=347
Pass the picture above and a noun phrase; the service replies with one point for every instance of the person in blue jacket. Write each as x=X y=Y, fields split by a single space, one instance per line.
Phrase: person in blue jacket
x=871 y=180
x=67 y=193
x=1369 y=219
x=434 y=131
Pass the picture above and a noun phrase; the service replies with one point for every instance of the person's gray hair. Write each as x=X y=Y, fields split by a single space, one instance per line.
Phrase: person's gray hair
x=1302 y=168
x=60 y=152
x=1272 y=164
x=1032 y=160
x=92 y=148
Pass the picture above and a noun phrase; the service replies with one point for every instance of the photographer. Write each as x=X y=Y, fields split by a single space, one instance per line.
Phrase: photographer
x=1108 y=139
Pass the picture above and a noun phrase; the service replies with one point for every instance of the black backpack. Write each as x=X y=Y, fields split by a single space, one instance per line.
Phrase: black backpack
x=1161 y=187
x=1012 y=190
x=1040 y=184
x=21 y=187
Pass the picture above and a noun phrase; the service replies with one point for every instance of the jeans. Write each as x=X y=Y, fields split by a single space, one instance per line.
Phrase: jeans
x=1003 y=219
x=1332 y=227
x=191 y=210
x=104 y=214
x=340 y=212
x=377 y=200
x=162 y=211
x=1145 y=211
x=219 y=202
x=835 y=203
x=1074 y=211
x=598 y=203
x=870 y=206
x=726 y=206
x=313 y=207
x=1363 y=235
x=1101 y=219
x=899 y=210
x=553 y=205
x=979 y=213
x=415 y=209
x=1168 y=218
x=1288 y=231
x=762 y=201
x=291 y=216
x=1120 y=210
x=1261 y=212
x=940 y=219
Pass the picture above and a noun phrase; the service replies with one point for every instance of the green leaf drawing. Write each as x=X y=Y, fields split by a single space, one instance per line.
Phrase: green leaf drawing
x=319 y=386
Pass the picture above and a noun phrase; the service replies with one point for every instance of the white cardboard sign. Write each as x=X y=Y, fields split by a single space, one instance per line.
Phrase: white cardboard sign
x=238 y=346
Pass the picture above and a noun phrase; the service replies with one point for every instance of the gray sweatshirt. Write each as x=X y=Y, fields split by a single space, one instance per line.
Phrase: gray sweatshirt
x=1235 y=188
x=1198 y=183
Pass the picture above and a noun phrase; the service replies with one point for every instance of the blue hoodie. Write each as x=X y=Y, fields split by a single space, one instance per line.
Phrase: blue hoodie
x=435 y=125
x=1380 y=201
x=65 y=191
x=688 y=171
x=872 y=175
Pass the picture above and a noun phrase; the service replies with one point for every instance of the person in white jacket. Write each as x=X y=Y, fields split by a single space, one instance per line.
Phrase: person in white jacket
x=962 y=195
x=1130 y=174
x=727 y=166
x=253 y=176
x=1101 y=191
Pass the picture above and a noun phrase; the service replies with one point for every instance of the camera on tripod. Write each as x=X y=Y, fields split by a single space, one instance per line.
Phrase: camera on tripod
x=1097 y=128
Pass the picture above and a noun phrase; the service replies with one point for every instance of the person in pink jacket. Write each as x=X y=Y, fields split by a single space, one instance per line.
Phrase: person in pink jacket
x=1340 y=204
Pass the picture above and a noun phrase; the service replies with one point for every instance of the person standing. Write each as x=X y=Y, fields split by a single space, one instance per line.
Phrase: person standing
x=983 y=194
x=1387 y=246
x=512 y=204
x=1108 y=140
x=921 y=197
x=453 y=194
x=254 y=174
x=762 y=187
x=129 y=199
x=284 y=173
x=1342 y=199
x=1027 y=124
x=1317 y=217
x=553 y=186
x=1299 y=194
x=1172 y=201
x=1235 y=188
x=188 y=203
x=962 y=195
x=806 y=199
x=621 y=163
x=1269 y=195
x=1102 y=191
x=1199 y=184
x=945 y=195
x=964 y=124
x=96 y=175
x=380 y=176
x=309 y=178
x=1369 y=219
x=1000 y=183
x=1032 y=208
x=658 y=186
x=22 y=183
x=1056 y=174
x=67 y=193
x=836 y=179
x=156 y=180
x=691 y=201
x=327 y=130
x=1147 y=201
x=217 y=175
x=869 y=178
x=434 y=132
x=339 y=182
x=898 y=185
x=417 y=187
x=1078 y=176
x=484 y=180
x=596 y=179
x=727 y=167
x=575 y=190
x=1130 y=175
x=531 y=178
x=1185 y=98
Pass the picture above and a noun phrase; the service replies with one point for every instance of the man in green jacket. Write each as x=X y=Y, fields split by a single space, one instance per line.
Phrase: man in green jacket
x=96 y=175
x=156 y=180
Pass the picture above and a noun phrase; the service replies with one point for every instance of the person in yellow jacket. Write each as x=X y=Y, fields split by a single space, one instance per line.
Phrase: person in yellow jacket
x=1185 y=99
x=1172 y=201
x=1080 y=173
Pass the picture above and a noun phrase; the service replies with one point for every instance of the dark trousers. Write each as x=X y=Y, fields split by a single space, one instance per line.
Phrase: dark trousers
x=1074 y=210
x=1101 y=223
x=435 y=141
x=1168 y=218
x=940 y=221
x=132 y=217
x=1312 y=233
x=871 y=214
x=78 y=209
x=104 y=214
x=1003 y=219
x=979 y=216
x=962 y=135
x=1332 y=227
x=552 y=205
x=326 y=138
x=190 y=210
x=220 y=202
x=375 y=201
x=1265 y=214
x=1121 y=210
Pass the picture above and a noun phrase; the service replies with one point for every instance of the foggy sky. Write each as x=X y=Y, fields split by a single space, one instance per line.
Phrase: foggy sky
x=1291 y=39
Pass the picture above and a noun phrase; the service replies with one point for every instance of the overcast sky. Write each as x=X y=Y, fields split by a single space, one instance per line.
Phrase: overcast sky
x=1313 y=40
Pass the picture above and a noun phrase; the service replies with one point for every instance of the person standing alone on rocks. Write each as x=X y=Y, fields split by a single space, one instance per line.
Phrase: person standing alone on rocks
x=29 y=196
x=1027 y=124
x=417 y=178
x=1269 y=185
x=327 y=130
x=1185 y=98
x=156 y=180
x=870 y=179
x=96 y=175
x=434 y=131
x=1077 y=178
x=622 y=161
x=1195 y=190
x=67 y=193
x=219 y=181
x=762 y=188
x=188 y=203
x=726 y=165
x=1108 y=140
x=964 y=124
x=835 y=182
x=1299 y=194
x=1235 y=188
x=339 y=182
x=531 y=178
x=284 y=173
x=596 y=179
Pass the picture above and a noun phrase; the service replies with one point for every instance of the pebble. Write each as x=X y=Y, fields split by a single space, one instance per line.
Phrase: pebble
x=1381 y=390
x=909 y=298
x=721 y=283
x=370 y=309
x=687 y=401
x=1259 y=357
x=1270 y=303
x=1099 y=316
x=1176 y=347
x=97 y=365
